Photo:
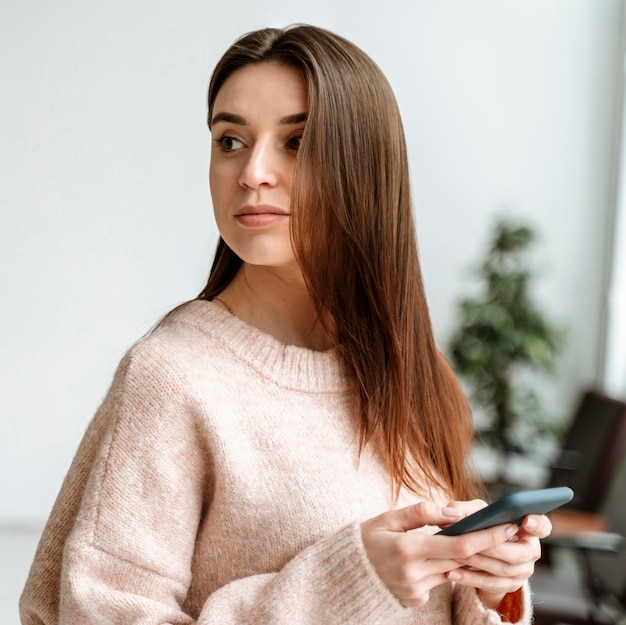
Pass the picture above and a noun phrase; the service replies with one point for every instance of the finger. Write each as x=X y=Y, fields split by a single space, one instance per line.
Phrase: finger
x=537 y=525
x=418 y=515
x=522 y=552
x=501 y=568
x=418 y=546
x=416 y=595
x=468 y=507
x=491 y=584
x=414 y=568
x=467 y=545
x=464 y=508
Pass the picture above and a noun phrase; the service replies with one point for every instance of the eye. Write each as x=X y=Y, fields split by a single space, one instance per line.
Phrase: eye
x=294 y=142
x=229 y=144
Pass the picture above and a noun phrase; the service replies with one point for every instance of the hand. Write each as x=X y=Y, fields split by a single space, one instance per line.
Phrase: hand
x=504 y=568
x=411 y=564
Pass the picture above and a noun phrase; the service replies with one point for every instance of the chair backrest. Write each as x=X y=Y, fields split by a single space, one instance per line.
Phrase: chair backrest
x=593 y=451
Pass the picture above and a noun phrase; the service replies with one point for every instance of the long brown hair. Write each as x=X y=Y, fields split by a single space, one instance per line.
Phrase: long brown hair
x=353 y=234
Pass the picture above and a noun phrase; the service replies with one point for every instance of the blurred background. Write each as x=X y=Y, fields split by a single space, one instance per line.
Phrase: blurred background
x=511 y=107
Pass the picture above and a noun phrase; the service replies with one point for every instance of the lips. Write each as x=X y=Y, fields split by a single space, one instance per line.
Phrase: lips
x=260 y=209
x=260 y=215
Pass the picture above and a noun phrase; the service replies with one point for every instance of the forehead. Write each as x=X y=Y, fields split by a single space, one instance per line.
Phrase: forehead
x=263 y=88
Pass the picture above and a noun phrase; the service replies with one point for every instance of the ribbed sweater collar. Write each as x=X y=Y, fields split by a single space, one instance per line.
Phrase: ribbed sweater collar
x=287 y=366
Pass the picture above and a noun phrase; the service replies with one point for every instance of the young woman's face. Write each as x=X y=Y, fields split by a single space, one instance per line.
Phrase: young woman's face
x=258 y=119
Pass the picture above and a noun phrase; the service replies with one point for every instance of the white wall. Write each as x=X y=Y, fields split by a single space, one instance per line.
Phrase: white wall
x=614 y=373
x=105 y=213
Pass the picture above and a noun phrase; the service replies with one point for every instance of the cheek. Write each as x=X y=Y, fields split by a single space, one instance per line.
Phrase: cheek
x=221 y=184
x=214 y=176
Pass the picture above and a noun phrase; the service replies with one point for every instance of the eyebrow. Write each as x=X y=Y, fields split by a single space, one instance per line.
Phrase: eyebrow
x=296 y=118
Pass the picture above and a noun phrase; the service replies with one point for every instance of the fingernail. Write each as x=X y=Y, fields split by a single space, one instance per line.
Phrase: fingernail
x=531 y=522
x=511 y=530
x=454 y=576
x=451 y=512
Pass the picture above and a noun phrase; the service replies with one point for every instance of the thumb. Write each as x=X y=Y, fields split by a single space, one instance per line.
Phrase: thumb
x=418 y=515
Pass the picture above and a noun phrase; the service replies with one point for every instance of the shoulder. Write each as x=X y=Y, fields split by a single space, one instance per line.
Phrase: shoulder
x=186 y=360
x=158 y=391
x=183 y=337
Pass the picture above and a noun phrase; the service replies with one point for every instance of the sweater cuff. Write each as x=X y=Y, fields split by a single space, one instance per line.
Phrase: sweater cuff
x=468 y=603
x=349 y=574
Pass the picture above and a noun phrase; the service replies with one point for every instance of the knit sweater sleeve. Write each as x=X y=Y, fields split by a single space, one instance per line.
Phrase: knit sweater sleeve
x=119 y=545
x=329 y=582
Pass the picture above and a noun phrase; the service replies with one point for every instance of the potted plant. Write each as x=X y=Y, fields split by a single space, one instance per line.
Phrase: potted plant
x=502 y=335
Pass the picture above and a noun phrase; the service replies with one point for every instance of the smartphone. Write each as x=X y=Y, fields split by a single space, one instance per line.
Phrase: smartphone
x=512 y=509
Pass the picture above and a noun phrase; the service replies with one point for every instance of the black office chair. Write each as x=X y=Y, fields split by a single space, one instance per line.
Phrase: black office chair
x=598 y=594
x=592 y=452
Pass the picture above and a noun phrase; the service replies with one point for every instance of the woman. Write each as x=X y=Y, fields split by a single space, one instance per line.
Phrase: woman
x=265 y=454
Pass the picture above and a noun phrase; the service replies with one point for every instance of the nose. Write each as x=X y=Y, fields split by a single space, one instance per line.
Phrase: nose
x=261 y=167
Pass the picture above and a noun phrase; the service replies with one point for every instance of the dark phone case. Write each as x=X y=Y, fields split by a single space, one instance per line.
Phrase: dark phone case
x=512 y=509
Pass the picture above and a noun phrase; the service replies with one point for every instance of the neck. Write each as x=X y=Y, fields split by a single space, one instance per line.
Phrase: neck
x=278 y=303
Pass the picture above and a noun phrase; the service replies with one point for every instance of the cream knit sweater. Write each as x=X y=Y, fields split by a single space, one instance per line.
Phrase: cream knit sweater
x=219 y=484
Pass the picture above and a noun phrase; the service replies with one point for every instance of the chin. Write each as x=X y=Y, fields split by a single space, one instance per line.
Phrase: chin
x=267 y=256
